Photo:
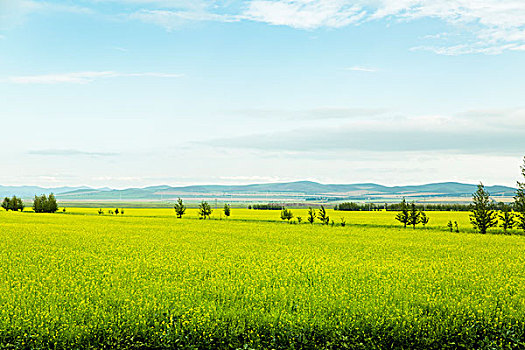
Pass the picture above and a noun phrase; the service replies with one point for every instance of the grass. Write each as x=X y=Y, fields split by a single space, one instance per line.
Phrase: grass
x=149 y=280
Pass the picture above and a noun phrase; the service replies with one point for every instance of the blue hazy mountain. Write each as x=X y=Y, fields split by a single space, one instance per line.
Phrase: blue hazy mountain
x=304 y=190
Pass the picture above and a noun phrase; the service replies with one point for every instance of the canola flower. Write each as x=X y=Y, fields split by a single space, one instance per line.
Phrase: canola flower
x=147 y=279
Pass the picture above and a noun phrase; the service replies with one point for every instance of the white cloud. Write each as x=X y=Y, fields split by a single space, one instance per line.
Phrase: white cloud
x=362 y=69
x=82 y=77
x=494 y=25
x=305 y=14
x=171 y=20
x=486 y=26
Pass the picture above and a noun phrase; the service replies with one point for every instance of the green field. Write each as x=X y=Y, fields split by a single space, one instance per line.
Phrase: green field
x=148 y=280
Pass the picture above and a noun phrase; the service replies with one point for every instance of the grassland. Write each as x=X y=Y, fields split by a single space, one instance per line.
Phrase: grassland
x=149 y=280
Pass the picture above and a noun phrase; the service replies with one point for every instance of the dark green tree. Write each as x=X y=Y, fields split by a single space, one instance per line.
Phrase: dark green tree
x=482 y=218
x=343 y=222
x=323 y=216
x=286 y=214
x=507 y=219
x=180 y=208
x=424 y=219
x=519 y=201
x=116 y=211
x=404 y=215
x=204 y=210
x=311 y=215
x=5 y=204
x=52 y=205
x=37 y=204
x=227 y=210
x=414 y=216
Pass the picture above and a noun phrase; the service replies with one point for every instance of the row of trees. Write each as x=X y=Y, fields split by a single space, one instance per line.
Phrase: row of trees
x=13 y=204
x=484 y=215
x=411 y=215
x=116 y=211
x=321 y=215
x=204 y=209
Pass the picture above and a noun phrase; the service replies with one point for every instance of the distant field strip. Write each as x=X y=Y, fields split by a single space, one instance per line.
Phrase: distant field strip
x=148 y=280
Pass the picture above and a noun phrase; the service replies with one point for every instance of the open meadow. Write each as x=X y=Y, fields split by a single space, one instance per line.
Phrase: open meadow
x=146 y=279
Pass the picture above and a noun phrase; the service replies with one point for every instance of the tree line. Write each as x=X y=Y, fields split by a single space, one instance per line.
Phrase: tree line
x=41 y=204
x=204 y=211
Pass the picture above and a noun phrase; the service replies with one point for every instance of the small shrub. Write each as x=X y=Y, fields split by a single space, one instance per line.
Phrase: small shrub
x=286 y=214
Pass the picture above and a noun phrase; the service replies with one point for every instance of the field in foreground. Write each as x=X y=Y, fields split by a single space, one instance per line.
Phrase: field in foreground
x=148 y=280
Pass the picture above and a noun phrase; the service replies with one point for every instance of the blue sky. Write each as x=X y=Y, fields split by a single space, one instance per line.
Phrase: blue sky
x=134 y=92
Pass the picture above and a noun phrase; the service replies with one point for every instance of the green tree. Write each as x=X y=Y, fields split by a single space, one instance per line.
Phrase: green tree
x=204 y=210
x=424 y=219
x=286 y=214
x=343 y=222
x=116 y=211
x=180 y=208
x=414 y=216
x=5 y=204
x=311 y=215
x=323 y=216
x=403 y=215
x=37 y=204
x=52 y=205
x=227 y=210
x=519 y=201
x=450 y=226
x=507 y=219
x=482 y=218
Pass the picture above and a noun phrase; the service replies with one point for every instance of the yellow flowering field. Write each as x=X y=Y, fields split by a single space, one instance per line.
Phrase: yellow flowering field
x=146 y=279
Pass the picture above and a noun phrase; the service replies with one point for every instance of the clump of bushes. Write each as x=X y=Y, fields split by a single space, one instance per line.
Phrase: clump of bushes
x=14 y=204
x=269 y=206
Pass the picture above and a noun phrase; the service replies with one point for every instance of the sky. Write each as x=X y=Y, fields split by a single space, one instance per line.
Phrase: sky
x=132 y=93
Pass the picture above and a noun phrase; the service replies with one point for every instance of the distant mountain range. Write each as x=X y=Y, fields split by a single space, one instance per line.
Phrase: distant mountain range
x=289 y=191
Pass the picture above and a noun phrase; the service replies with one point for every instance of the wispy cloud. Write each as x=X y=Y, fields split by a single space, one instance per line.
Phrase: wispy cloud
x=487 y=26
x=499 y=132
x=171 y=20
x=70 y=153
x=82 y=77
x=361 y=69
x=495 y=25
